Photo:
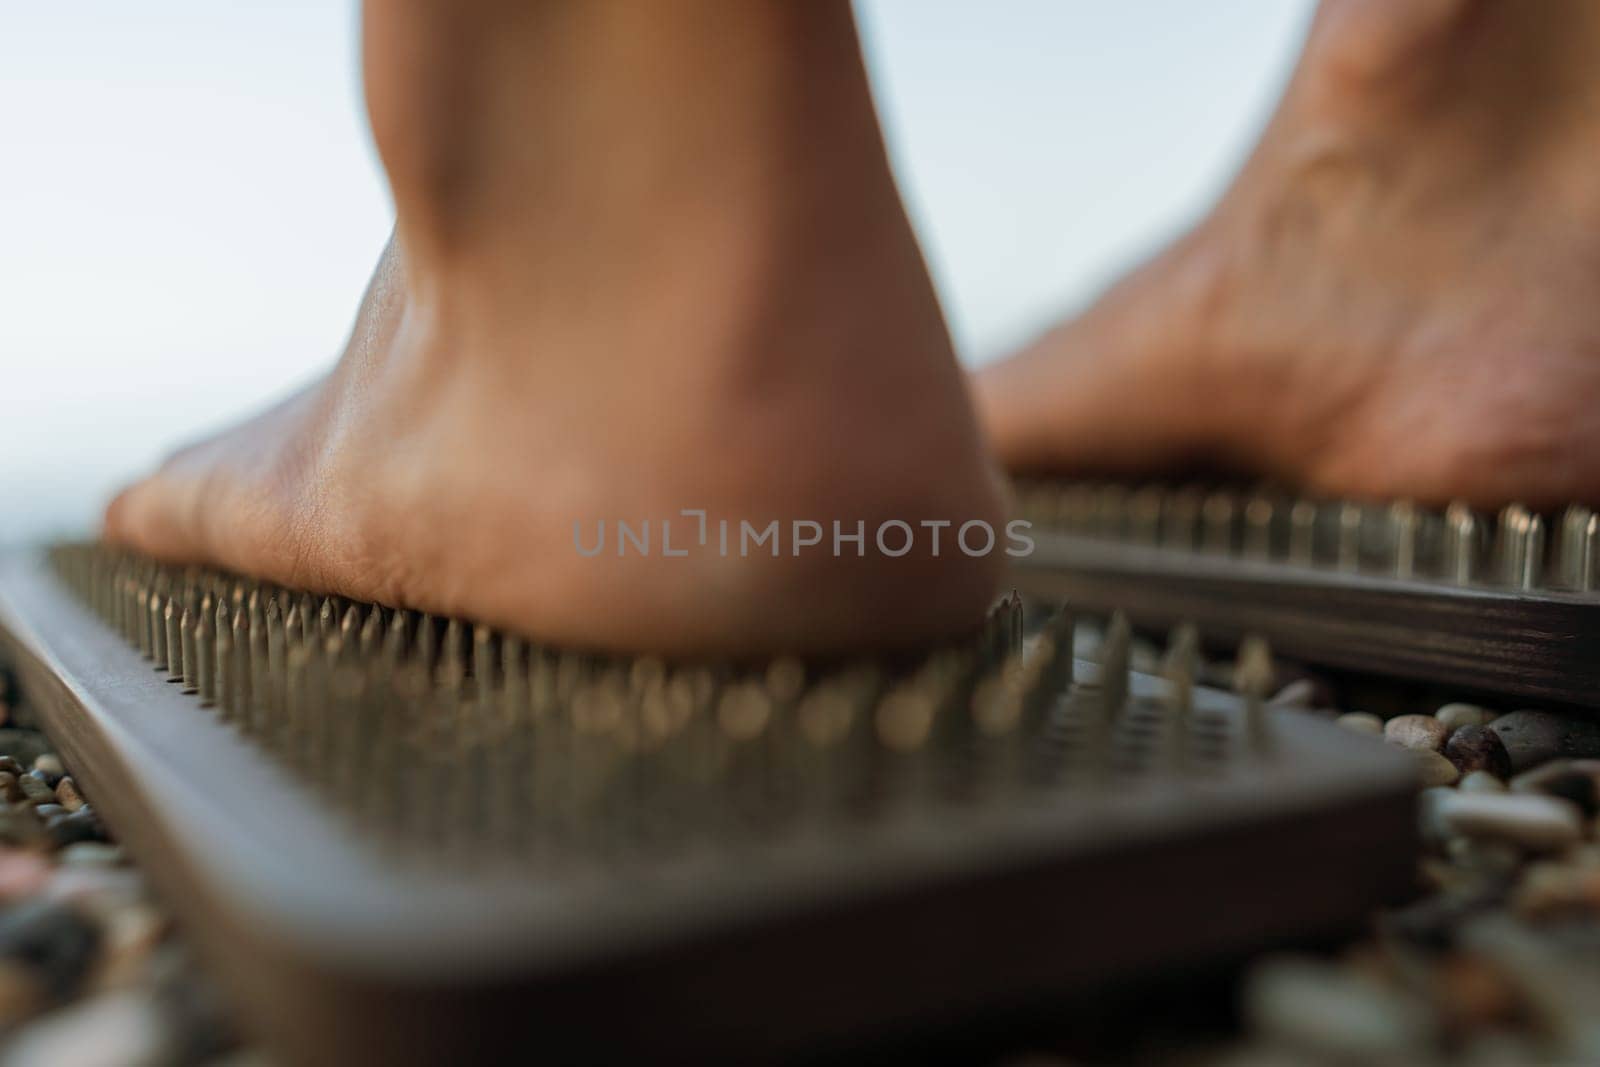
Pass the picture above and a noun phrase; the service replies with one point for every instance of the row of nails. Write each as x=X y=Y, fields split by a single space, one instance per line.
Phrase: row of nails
x=1458 y=544
x=525 y=747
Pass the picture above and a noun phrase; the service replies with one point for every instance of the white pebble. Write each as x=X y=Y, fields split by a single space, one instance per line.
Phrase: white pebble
x=1361 y=721
x=49 y=763
x=1297 y=694
x=1421 y=732
x=1538 y=823
x=1329 y=1012
x=122 y=1027
x=1481 y=782
x=1454 y=715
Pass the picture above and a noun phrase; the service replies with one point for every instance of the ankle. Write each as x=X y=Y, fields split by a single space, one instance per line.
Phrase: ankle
x=522 y=120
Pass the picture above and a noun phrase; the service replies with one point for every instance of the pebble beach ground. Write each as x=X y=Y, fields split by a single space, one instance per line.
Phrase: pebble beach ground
x=92 y=972
x=1496 y=961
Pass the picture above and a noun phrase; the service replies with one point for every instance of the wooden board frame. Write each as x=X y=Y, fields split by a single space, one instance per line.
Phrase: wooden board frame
x=336 y=955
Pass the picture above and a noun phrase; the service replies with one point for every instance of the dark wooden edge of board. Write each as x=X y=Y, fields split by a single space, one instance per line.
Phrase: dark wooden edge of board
x=786 y=973
x=1541 y=645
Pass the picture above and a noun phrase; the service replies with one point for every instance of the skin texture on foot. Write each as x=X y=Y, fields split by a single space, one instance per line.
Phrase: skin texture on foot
x=1396 y=297
x=647 y=259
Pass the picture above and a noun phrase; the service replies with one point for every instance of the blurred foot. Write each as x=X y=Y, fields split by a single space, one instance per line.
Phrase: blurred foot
x=1396 y=298
x=648 y=259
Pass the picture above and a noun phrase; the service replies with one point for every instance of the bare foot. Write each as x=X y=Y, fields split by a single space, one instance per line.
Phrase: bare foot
x=649 y=258
x=1396 y=298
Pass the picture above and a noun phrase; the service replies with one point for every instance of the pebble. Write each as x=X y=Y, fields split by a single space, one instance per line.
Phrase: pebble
x=53 y=940
x=1457 y=715
x=1478 y=748
x=1577 y=780
x=10 y=765
x=1430 y=814
x=1534 y=822
x=24 y=746
x=90 y=854
x=1322 y=1009
x=1576 y=787
x=19 y=826
x=35 y=791
x=1475 y=870
x=67 y=794
x=1559 y=986
x=74 y=826
x=96 y=889
x=1420 y=732
x=1363 y=722
x=1534 y=780
x=1309 y=692
x=1553 y=888
x=1584 y=855
x=49 y=765
x=1496 y=1047
x=125 y=1027
x=10 y=791
x=1433 y=922
x=1487 y=857
x=1535 y=737
x=1474 y=993
x=1481 y=782
x=1433 y=769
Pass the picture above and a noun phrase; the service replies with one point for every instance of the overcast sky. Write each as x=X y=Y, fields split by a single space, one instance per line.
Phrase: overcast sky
x=190 y=203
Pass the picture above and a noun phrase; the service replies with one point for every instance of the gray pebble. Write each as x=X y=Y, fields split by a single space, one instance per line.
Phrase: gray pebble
x=44 y=811
x=1534 y=781
x=1535 y=737
x=35 y=791
x=24 y=746
x=75 y=826
x=1478 y=748
x=1454 y=715
x=1420 y=732
x=1576 y=780
x=1363 y=722
x=52 y=939
x=1528 y=820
